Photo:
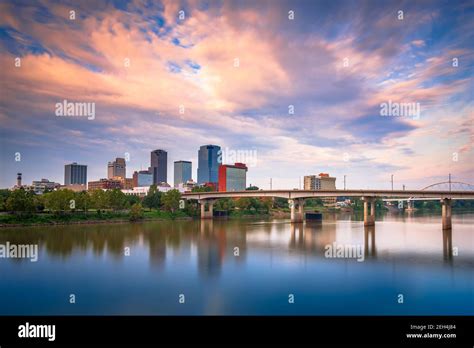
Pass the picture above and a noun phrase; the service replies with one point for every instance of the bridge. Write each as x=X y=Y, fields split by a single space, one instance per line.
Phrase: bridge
x=296 y=200
x=439 y=186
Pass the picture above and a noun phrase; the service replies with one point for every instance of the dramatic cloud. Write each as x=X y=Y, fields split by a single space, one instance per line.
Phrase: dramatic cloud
x=228 y=72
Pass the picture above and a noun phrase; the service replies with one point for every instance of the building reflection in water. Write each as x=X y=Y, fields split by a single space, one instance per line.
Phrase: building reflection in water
x=157 y=248
x=209 y=253
x=214 y=240
x=314 y=236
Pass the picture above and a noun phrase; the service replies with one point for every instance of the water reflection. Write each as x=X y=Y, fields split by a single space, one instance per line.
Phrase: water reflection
x=369 y=242
x=448 y=245
x=243 y=267
x=213 y=241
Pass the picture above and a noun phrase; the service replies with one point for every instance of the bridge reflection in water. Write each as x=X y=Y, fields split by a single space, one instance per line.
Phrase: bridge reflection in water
x=236 y=266
x=306 y=238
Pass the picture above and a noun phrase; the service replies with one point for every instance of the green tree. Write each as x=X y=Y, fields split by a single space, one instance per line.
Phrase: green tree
x=225 y=204
x=39 y=202
x=252 y=188
x=20 y=201
x=192 y=207
x=59 y=200
x=99 y=200
x=266 y=204
x=132 y=199
x=201 y=189
x=136 y=212
x=4 y=194
x=117 y=200
x=281 y=202
x=243 y=203
x=153 y=198
x=255 y=204
x=313 y=202
x=83 y=200
x=171 y=200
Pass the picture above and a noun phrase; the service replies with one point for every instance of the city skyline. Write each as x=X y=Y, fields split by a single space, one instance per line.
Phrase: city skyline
x=305 y=94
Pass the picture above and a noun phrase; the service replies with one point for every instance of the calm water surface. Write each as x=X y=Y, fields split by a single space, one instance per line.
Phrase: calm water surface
x=408 y=255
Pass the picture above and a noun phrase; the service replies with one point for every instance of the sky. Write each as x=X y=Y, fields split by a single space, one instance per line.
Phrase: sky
x=295 y=86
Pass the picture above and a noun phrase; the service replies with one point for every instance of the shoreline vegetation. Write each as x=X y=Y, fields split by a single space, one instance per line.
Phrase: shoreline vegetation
x=63 y=207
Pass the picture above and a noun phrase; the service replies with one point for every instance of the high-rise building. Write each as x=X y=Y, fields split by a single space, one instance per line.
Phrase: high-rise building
x=75 y=174
x=208 y=166
x=321 y=182
x=143 y=178
x=159 y=166
x=116 y=169
x=232 y=177
x=182 y=172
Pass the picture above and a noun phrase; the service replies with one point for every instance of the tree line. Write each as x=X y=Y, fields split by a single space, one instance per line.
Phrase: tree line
x=21 y=201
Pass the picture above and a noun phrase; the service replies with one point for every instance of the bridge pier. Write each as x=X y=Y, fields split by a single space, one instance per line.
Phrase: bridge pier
x=297 y=216
x=369 y=216
x=207 y=214
x=446 y=213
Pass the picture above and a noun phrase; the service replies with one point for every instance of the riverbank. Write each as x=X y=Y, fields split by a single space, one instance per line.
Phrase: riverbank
x=92 y=218
x=110 y=217
x=12 y=220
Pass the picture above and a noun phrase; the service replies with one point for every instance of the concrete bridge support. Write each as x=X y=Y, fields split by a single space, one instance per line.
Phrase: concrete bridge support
x=446 y=213
x=207 y=214
x=297 y=210
x=369 y=215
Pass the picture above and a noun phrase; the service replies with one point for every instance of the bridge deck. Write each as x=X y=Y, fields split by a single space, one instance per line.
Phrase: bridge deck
x=295 y=194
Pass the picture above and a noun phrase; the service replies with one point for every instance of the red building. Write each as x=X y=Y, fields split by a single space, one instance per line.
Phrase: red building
x=232 y=177
x=212 y=185
x=104 y=184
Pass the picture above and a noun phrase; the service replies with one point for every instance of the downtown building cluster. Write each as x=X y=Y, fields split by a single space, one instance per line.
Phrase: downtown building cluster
x=211 y=172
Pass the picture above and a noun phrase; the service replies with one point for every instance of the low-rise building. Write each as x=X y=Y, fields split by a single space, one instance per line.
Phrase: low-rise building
x=143 y=191
x=39 y=187
x=104 y=184
x=127 y=183
x=211 y=185
x=142 y=178
x=188 y=186
x=74 y=187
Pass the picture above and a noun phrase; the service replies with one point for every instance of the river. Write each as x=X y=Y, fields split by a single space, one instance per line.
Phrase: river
x=408 y=266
